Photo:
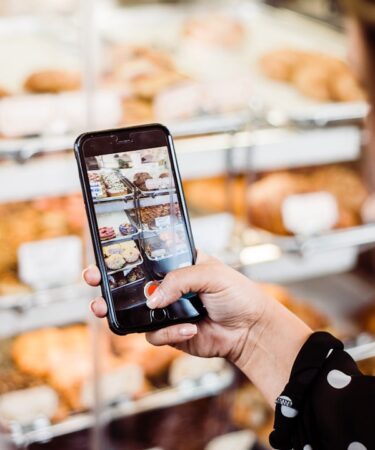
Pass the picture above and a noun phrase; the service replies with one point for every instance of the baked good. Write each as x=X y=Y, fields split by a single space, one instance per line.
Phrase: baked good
x=127 y=228
x=344 y=183
x=250 y=409
x=188 y=367
x=281 y=64
x=265 y=198
x=136 y=350
x=215 y=29
x=114 y=185
x=140 y=180
x=129 y=251
x=106 y=233
x=115 y=262
x=150 y=214
x=316 y=75
x=137 y=111
x=3 y=93
x=313 y=318
x=52 y=81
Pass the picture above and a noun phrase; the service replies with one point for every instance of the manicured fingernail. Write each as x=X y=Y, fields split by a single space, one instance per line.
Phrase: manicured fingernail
x=188 y=330
x=154 y=300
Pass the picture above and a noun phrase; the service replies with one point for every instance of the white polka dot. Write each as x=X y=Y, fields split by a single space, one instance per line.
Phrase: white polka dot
x=338 y=379
x=356 y=446
x=287 y=411
x=329 y=353
x=307 y=447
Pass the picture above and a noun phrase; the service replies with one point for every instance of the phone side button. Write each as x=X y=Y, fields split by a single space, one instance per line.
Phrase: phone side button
x=157 y=315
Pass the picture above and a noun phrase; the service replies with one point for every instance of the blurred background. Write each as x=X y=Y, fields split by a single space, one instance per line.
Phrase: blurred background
x=268 y=121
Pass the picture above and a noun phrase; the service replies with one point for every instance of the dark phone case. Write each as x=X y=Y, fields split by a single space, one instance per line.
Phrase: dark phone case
x=187 y=309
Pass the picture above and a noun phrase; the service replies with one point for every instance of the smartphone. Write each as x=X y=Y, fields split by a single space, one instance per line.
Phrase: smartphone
x=138 y=221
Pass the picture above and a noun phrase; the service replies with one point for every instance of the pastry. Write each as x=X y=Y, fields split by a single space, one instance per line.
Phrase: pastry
x=313 y=318
x=115 y=262
x=217 y=30
x=3 y=93
x=344 y=183
x=150 y=214
x=136 y=350
x=52 y=81
x=140 y=179
x=188 y=367
x=265 y=198
x=127 y=228
x=137 y=111
x=106 y=233
x=316 y=75
x=281 y=64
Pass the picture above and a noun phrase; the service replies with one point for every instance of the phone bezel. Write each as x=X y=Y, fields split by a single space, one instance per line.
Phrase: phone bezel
x=114 y=324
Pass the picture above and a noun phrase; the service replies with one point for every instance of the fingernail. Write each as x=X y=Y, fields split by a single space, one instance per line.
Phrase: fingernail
x=154 y=300
x=188 y=330
x=92 y=305
x=83 y=273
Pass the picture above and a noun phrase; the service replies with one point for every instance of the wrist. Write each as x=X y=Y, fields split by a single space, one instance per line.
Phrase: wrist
x=270 y=348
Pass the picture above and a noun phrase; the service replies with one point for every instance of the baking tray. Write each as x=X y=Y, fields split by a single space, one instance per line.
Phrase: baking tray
x=42 y=430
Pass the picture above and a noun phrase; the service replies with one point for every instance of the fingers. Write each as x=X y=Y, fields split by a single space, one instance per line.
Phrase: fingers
x=92 y=275
x=99 y=307
x=172 y=335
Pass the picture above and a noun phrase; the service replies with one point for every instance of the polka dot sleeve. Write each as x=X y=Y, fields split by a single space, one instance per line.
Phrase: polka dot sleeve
x=328 y=404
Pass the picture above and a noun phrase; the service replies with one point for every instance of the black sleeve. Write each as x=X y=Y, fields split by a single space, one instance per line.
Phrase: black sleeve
x=328 y=404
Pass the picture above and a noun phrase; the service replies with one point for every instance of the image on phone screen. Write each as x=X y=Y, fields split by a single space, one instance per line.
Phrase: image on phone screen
x=142 y=232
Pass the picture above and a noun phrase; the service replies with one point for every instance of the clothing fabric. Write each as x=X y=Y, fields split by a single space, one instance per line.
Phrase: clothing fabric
x=328 y=404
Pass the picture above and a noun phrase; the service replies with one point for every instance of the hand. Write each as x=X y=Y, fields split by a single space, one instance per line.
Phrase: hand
x=243 y=324
x=234 y=304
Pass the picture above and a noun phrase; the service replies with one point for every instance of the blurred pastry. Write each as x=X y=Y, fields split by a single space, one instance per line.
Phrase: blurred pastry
x=137 y=111
x=265 y=198
x=106 y=233
x=188 y=367
x=127 y=228
x=115 y=262
x=345 y=88
x=52 y=81
x=3 y=92
x=250 y=409
x=313 y=318
x=344 y=183
x=313 y=81
x=140 y=180
x=135 y=349
x=215 y=29
x=281 y=64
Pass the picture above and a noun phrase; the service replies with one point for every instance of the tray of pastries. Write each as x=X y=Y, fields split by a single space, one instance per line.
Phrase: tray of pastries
x=53 y=369
x=122 y=255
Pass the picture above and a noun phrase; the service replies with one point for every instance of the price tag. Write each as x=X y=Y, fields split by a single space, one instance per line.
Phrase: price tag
x=50 y=262
x=163 y=222
x=308 y=214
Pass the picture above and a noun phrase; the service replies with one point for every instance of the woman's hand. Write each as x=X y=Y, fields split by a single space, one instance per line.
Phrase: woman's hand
x=234 y=305
x=243 y=324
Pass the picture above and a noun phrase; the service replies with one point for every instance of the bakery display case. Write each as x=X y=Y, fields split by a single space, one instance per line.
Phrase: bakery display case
x=254 y=129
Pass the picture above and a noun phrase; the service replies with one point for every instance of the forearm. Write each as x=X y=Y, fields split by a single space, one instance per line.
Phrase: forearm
x=271 y=347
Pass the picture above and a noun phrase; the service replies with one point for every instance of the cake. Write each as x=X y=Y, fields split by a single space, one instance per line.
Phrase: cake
x=106 y=233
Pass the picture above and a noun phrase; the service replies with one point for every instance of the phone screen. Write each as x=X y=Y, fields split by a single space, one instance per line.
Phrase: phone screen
x=139 y=217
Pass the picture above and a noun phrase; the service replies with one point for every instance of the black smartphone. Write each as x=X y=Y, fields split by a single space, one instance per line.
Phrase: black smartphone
x=139 y=223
